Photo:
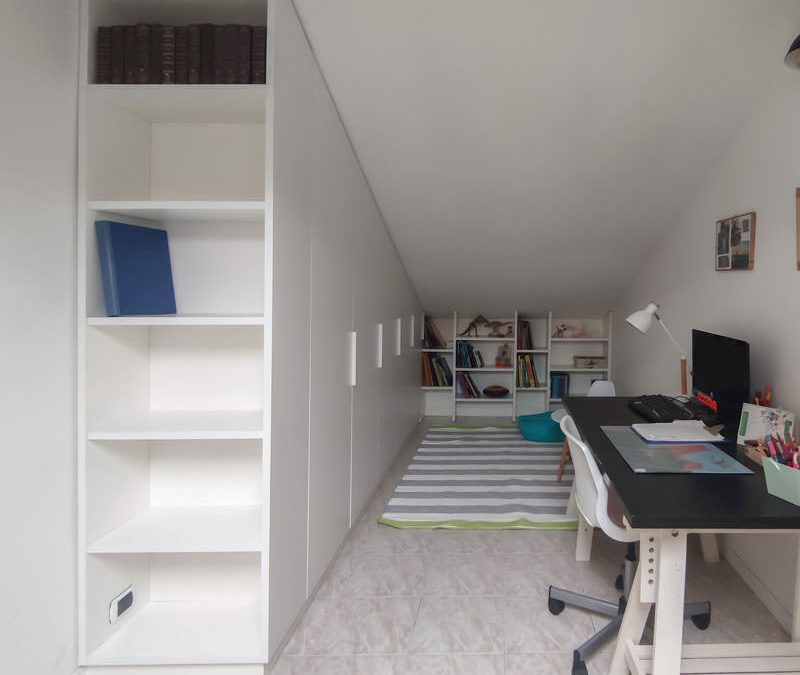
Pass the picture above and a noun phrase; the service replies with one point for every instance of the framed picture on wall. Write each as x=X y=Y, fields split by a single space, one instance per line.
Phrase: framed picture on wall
x=797 y=216
x=735 y=245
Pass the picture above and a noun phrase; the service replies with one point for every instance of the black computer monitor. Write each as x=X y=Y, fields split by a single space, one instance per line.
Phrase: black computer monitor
x=721 y=374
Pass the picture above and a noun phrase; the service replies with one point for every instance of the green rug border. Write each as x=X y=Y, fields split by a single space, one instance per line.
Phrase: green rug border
x=518 y=524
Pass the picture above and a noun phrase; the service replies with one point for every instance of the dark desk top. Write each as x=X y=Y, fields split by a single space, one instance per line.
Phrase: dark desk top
x=691 y=501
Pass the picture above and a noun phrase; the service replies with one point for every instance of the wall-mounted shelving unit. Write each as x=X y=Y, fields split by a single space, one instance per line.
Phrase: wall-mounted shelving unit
x=542 y=356
x=172 y=409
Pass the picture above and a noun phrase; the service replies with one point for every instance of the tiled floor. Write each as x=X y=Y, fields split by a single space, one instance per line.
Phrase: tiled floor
x=457 y=602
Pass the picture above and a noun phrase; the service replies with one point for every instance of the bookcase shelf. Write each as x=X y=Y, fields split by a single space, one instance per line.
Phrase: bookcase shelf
x=185 y=529
x=587 y=339
x=181 y=425
x=184 y=211
x=196 y=103
x=186 y=632
x=178 y=320
x=536 y=354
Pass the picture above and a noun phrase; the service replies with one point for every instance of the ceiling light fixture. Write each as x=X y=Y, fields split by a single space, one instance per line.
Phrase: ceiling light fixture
x=792 y=58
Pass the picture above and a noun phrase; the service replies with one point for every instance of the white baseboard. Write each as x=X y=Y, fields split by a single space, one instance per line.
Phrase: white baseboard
x=757 y=586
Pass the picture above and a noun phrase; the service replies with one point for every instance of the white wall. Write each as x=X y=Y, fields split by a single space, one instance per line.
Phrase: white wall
x=38 y=50
x=759 y=172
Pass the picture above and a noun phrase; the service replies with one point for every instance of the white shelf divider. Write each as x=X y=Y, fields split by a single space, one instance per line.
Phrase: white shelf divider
x=174 y=633
x=186 y=529
x=182 y=425
x=179 y=320
x=187 y=103
x=186 y=211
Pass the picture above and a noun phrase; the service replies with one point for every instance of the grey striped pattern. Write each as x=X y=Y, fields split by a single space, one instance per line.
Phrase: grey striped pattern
x=482 y=478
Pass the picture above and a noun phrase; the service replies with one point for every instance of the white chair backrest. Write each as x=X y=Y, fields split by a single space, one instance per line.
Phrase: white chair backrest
x=602 y=388
x=591 y=491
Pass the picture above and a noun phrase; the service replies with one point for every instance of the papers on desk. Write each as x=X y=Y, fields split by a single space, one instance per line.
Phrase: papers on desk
x=645 y=457
x=679 y=431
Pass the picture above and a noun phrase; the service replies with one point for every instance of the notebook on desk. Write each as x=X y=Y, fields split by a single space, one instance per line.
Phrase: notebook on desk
x=645 y=457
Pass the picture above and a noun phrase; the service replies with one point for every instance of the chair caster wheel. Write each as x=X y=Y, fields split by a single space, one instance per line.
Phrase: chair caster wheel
x=702 y=621
x=618 y=582
x=555 y=605
x=579 y=666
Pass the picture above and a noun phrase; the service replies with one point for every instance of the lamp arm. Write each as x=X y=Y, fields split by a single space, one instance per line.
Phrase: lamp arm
x=671 y=336
x=684 y=389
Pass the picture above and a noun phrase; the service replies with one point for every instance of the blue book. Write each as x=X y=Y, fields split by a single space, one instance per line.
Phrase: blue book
x=137 y=275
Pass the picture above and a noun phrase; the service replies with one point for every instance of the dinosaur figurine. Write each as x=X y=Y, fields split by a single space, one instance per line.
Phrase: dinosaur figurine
x=494 y=327
x=472 y=328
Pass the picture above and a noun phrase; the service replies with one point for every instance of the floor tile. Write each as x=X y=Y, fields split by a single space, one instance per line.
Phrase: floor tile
x=311 y=626
x=531 y=628
x=460 y=624
x=339 y=665
x=387 y=575
x=454 y=664
x=366 y=626
x=532 y=574
x=463 y=574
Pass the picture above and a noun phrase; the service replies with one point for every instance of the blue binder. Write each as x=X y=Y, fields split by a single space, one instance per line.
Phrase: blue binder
x=137 y=275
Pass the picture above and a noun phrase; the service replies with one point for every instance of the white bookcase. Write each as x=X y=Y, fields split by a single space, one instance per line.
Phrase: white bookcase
x=173 y=452
x=582 y=337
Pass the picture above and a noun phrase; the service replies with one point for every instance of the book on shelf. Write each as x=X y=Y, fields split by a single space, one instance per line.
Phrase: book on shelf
x=129 y=58
x=467 y=356
x=193 y=54
x=432 y=338
x=142 y=51
x=527 y=376
x=135 y=269
x=117 y=55
x=181 y=54
x=244 y=47
x=168 y=55
x=559 y=384
x=103 y=60
x=465 y=387
x=436 y=371
x=258 y=62
x=156 y=53
x=524 y=335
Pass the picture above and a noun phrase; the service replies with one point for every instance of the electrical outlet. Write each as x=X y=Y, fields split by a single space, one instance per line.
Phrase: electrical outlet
x=121 y=604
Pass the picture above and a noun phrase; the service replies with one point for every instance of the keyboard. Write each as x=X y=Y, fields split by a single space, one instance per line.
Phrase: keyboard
x=658 y=408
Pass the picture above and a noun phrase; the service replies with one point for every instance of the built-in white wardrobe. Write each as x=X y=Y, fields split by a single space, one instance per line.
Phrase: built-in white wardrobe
x=225 y=452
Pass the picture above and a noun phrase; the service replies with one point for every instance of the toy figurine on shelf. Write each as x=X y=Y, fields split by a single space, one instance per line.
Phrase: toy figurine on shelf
x=503 y=358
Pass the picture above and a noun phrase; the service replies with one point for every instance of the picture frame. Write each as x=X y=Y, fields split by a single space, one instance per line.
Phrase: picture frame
x=797 y=217
x=735 y=243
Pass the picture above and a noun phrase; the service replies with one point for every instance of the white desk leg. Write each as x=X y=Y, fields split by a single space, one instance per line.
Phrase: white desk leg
x=796 y=613
x=708 y=543
x=636 y=613
x=670 y=584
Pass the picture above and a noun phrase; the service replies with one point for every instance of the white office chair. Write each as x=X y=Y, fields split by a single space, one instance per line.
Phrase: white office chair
x=599 y=506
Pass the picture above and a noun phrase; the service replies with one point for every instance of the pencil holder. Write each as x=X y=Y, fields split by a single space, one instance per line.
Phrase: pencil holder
x=782 y=481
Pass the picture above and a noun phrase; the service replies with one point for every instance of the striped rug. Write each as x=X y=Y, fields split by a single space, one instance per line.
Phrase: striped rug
x=481 y=478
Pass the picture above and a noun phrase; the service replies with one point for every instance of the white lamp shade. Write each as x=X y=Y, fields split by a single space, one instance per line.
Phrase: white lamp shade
x=642 y=319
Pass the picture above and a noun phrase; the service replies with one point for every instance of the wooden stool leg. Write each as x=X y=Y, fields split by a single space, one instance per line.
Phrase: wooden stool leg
x=564 y=458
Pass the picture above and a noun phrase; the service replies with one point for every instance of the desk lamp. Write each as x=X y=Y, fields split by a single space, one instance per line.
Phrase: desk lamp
x=642 y=319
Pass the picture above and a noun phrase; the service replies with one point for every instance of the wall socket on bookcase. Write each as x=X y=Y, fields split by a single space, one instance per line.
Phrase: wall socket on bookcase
x=121 y=604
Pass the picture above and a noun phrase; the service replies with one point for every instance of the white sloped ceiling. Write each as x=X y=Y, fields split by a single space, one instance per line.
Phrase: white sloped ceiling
x=526 y=153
